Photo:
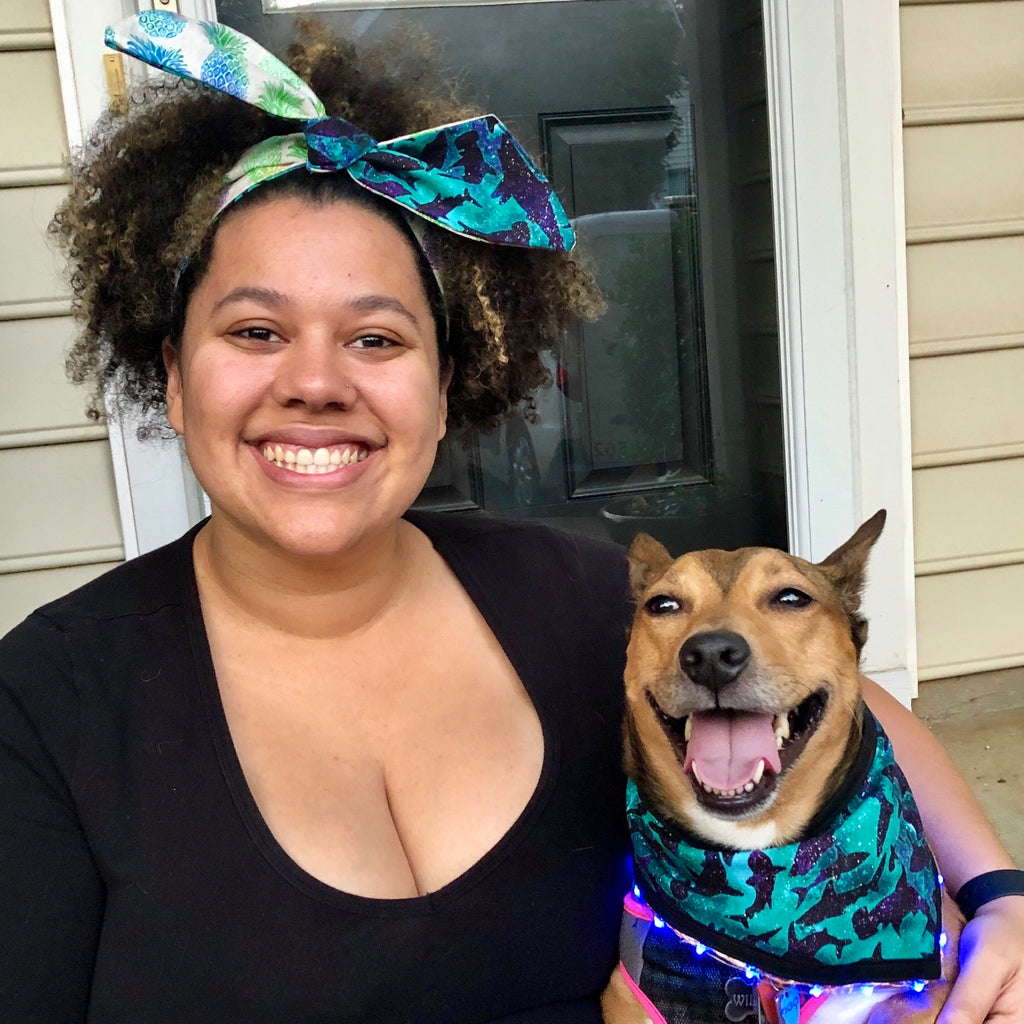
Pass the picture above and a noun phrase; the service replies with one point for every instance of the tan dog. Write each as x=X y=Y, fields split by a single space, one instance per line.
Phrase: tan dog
x=744 y=712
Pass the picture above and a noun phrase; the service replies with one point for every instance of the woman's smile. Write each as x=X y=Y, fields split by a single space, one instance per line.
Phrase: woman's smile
x=311 y=465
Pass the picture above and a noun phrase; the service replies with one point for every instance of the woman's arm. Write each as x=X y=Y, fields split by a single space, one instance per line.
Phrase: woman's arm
x=50 y=893
x=991 y=982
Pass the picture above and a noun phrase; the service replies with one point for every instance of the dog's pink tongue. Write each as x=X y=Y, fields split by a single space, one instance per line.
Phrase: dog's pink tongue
x=727 y=745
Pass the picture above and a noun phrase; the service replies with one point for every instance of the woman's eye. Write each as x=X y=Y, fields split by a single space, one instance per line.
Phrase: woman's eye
x=374 y=341
x=255 y=334
x=790 y=597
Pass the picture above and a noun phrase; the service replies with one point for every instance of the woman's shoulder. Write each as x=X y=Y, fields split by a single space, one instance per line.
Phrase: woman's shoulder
x=80 y=644
x=518 y=562
x=138 y=586
x=525 y=546
x=518 y=538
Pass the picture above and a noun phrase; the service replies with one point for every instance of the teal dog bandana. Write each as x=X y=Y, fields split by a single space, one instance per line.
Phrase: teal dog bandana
x=857 y=902
x=471 y=177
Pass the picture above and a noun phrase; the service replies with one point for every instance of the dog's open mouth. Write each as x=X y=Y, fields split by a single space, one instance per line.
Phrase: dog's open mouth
x=734 y=758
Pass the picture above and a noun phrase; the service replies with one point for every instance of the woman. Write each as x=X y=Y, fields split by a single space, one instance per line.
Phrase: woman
x=321 y=759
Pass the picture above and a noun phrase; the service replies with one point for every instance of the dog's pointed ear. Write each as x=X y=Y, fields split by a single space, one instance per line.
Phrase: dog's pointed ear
x=648 y=559
x=849 y=559
x=846 y=567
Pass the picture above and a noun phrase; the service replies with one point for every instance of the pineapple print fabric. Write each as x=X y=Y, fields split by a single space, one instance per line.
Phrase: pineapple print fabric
x=471 y=177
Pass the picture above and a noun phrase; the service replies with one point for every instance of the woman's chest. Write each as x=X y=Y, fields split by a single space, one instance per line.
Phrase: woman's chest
x=208 y=917
x=385 y=767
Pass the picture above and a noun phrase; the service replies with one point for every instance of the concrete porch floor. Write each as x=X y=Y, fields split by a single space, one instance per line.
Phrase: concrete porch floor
x=979 y=719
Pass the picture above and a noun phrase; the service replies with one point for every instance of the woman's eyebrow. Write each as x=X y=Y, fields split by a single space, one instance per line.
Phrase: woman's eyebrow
x=370 y=303
x=266 y=296
x=374 y=303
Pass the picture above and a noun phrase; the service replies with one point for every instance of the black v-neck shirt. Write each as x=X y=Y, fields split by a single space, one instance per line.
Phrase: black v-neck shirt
x=139 y=883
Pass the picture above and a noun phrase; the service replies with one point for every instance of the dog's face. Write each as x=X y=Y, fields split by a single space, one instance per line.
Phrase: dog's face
x=742 y=685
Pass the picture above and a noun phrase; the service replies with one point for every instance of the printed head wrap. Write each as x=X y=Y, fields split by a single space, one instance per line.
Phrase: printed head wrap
x=471 y=177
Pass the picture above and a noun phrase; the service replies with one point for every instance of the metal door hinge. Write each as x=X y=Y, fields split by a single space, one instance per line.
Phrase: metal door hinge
x=117 y=88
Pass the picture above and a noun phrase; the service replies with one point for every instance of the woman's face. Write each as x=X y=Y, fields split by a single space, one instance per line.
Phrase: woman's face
x=307 y=385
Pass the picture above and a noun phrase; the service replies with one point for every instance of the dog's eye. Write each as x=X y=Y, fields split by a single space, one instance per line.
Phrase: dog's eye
x=790 y=597
x=662 y=604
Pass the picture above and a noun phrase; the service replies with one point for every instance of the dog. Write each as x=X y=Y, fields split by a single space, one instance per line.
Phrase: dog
x=782 y=872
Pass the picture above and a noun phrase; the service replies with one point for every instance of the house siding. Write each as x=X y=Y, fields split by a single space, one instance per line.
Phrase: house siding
x=59 y=523
x=963 y=101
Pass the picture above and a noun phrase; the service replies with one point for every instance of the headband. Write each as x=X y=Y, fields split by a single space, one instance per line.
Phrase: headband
x=471 y=177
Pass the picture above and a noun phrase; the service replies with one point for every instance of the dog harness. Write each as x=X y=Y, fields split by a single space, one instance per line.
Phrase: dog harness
x=858 y=902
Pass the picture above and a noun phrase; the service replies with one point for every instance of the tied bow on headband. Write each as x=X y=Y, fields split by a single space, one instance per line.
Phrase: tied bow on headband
x=471 y=177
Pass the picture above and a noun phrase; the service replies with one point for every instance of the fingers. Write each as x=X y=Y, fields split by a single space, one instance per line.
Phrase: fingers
x=990 y=986
x=910 y=1007
x=972 y=996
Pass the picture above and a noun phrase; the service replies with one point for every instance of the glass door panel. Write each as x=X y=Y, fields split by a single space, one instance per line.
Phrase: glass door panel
x=649 y=118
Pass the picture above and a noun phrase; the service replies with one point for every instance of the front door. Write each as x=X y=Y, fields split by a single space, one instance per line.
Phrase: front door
x=649 y=117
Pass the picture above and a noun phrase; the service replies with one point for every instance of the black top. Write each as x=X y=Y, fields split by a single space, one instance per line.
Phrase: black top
x=139 y=883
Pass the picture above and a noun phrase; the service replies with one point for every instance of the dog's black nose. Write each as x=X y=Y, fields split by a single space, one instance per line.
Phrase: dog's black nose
x=714 y=659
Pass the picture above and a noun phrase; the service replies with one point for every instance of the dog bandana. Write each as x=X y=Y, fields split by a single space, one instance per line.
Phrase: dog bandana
x=471 y=177
x=859 y=902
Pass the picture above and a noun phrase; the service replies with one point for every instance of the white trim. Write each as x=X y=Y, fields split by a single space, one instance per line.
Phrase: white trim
x=837 y=173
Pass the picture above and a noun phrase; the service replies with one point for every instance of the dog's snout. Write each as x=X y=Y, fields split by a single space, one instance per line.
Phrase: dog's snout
x=714 y=659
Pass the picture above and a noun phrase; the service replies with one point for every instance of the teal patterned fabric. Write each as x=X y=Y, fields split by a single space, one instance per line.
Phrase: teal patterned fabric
x=471 y=177
x=860 y=902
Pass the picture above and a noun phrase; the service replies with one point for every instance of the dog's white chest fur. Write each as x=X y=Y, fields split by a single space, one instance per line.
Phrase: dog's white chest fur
x=735 y=834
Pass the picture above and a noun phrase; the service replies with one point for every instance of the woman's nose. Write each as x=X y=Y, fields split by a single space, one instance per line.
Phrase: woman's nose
x=313 y=373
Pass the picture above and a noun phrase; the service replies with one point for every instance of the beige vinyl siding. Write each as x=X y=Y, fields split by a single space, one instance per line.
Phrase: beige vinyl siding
x=25 y=23
x=59 y=523
x=963 y=96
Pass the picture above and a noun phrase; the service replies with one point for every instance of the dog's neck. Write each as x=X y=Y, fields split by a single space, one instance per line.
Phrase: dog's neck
x=846 y=776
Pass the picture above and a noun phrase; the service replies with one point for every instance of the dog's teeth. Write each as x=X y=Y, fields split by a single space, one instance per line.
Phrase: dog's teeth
x=779 y=741
x=758 y=772
x=688 y=728
x=781 y=726
x=748 y=788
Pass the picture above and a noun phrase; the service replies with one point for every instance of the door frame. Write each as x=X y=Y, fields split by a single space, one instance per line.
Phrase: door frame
x=835 y=120
x=837 y=179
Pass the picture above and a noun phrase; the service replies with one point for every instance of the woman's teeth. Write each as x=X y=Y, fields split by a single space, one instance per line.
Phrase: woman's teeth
x=315 y=460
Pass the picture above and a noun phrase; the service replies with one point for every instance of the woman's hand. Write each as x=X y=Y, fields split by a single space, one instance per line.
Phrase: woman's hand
x=990 y=985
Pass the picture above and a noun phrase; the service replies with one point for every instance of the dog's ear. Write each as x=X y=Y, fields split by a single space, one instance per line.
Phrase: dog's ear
x=846 y=567
x=648 y=559
x=851 y=557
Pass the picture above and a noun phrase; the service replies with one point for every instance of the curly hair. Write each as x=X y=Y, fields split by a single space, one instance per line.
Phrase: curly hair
x=143 y=192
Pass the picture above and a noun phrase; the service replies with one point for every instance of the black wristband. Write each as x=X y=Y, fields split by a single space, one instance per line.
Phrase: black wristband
x=984 y=888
